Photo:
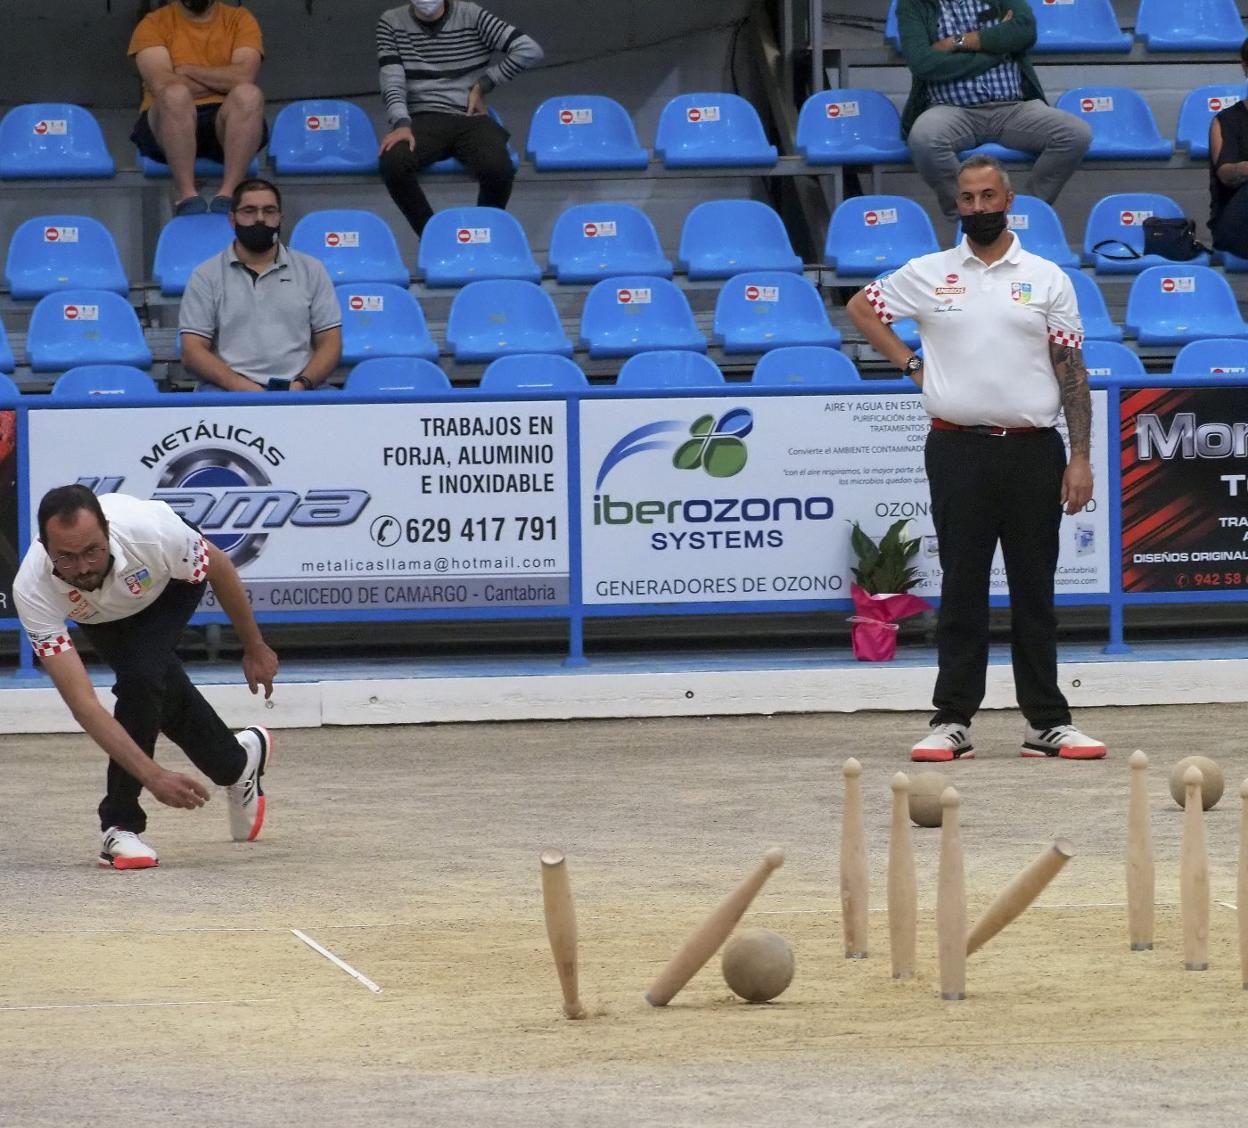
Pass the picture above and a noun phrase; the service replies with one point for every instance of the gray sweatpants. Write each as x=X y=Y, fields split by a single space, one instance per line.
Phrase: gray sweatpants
x=941 y=132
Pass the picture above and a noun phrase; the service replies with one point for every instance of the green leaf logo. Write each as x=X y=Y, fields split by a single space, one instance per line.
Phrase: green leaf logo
x=717 y=446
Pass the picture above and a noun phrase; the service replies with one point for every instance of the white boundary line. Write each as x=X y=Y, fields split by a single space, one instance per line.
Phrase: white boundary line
x=112 y=1006
x=1067 y=905
x=364 y=979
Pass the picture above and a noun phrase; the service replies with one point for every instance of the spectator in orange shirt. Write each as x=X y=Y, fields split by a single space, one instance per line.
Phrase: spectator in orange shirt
x=198 y=60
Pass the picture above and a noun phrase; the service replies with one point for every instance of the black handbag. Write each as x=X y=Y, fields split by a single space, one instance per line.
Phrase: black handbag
x=1173 y=239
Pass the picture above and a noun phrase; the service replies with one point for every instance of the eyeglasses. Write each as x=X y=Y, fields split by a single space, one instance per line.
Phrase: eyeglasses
x=89 y=556
x=269 y=211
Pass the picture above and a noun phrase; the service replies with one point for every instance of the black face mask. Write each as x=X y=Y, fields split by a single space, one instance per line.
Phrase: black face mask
x=197 y=7
x=984 y=228
x=256 y=237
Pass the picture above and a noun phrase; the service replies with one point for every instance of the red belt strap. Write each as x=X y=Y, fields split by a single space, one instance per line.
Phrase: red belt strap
x=984 y=429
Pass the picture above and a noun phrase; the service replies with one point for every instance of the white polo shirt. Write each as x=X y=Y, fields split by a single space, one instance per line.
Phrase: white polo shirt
x=150 y=545
x=986 y=332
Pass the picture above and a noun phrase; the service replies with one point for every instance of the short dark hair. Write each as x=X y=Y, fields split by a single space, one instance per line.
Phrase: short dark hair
x=63 y=502
x=254 y=184
x=983 y=160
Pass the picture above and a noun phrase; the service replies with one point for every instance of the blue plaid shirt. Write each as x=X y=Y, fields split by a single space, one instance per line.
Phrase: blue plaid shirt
x=1001 y=84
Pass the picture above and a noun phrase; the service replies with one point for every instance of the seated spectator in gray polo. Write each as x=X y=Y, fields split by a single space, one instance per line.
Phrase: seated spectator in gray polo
x=971 y=83
x=259 y=315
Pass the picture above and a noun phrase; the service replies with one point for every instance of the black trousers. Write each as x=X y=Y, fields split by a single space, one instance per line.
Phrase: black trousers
x=154 y=695
x=984 y=490
x=478 y=141
x=1231 y=232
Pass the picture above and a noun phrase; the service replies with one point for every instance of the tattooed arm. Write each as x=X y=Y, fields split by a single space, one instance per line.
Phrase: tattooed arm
x=1072 y=379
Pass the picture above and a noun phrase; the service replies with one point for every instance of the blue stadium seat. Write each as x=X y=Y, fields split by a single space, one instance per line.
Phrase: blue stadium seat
x=669 y=368
x=1039 y=230
x=1216 y=356
x=74 y=327
x=595 y=241
x=997 y=152
x=766 y=310
x=805 y=366
x=461 y=245
x=8 y=389
x=1110 y=358
x=1121 y=217
x=8 y=362
x=850 y=126
x=104 y=380
x=379 y=319
x=532 y=371
x=502 y=316
x=63 y=252
x=323 y=137
x=451 y=165
x=637 y=313
x=1092 y=309
x=1189 y=25
x=396 y=374
x=712 y=131
x=583 y=131
x=1175 y=304
x=891 y=35
x=872 y=234
x=205 y=169
x=186 y=241
x=355 y=246
x=1233 y=264
x=52 y=140
x=1123 y=127
x=1089 y=26
x=759 y=240
x=1199 y=108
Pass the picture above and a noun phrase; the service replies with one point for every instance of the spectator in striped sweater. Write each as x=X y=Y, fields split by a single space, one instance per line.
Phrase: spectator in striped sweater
x=436 y=70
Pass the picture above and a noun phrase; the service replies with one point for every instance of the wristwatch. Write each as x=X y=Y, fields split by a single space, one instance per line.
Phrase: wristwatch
x=959 y=41
x=913 y=365
x=302 y=379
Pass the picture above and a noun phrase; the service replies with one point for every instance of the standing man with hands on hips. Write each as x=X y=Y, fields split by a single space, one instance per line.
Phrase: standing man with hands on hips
x=1003 y=354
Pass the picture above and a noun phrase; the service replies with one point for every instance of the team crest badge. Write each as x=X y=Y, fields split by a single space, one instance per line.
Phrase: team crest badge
x=1020 y=292
x=138 y=582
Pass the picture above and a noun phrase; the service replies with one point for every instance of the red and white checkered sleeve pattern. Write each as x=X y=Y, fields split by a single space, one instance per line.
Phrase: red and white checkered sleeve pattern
x=875 y=295
x=1067 y=337
x=199 y=562
x=51 y=646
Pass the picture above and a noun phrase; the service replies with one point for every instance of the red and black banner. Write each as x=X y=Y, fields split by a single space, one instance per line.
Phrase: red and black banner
x=9 y=560
x=1184 y=489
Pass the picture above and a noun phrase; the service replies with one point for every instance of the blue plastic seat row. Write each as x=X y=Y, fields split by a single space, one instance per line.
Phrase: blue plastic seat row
x=323 y=136
x=1092 y=26
x=860 y=126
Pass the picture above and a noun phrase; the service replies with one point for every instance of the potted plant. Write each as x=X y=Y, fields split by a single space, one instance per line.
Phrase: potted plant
x=885 y=575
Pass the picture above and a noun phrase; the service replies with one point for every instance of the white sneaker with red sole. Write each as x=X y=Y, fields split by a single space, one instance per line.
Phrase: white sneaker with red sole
x=246 y=798
x=942 y=744
x=1063 y=742
x=125 y=850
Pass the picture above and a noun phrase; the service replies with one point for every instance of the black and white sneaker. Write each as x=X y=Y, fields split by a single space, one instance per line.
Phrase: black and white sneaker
x=1061 y=742
x=246 y=797
x=942 y=744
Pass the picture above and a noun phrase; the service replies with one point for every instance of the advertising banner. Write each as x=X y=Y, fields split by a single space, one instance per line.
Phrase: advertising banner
x=1184 y=489
x=9 y=558
x=340 y=508
x=743 y=499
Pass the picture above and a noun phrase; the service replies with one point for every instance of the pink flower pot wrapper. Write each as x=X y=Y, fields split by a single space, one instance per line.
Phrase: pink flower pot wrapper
x=875 y=628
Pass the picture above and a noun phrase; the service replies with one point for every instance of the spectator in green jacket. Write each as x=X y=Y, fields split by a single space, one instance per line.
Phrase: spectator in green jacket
x=972 y=83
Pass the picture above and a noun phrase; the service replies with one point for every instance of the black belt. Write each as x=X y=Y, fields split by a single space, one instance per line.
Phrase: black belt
x=984 y=429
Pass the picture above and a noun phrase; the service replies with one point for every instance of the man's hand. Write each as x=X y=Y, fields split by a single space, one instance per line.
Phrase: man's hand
x=401 y=136
x=175 y=790
x=476 y=101
x=945 y=44
x=1077 y=484
x=260 y=668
